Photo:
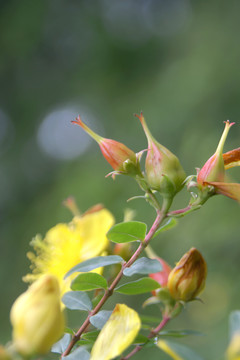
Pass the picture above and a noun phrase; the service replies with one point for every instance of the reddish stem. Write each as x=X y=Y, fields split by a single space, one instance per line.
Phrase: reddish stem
x=152 y=334
x=160 y=217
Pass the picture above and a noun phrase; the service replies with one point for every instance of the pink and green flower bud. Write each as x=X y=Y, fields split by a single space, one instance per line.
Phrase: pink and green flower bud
x=117 y=154
x=213 y=170
x=211 y=178
x=163 y=169
x=188 y=277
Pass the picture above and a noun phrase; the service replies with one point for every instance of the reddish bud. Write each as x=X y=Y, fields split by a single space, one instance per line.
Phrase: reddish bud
x=114 y=152
x=213 y=172
x=124 y=250
x=163 y=169
x=213 y=169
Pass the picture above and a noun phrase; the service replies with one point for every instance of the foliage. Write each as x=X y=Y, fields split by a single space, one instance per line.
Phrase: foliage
x=71 y=248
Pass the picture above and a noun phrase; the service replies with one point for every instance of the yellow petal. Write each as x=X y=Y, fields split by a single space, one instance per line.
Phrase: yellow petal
x=166 y=348
x=232 y=158
x=117 y=334
x=66 y=245
x=233 y=351
x=93 y=227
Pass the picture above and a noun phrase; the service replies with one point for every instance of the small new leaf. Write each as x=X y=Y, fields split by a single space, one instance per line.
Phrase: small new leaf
x=172 y=222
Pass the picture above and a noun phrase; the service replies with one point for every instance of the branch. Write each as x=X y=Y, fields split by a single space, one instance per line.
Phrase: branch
x=152 y=334
x=161 y=215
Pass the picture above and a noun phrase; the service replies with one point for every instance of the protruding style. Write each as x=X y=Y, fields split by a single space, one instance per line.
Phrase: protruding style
x=211 y=178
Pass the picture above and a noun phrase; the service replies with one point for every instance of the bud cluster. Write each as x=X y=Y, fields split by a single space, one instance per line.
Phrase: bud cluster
x=163 y=171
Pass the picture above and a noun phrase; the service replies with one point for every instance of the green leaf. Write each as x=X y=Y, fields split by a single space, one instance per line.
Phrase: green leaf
x=89 y=281
x=153 y=300
x=140 y=339
x=127 y=232
x=150 y=319
x=95 y=263
x=171 y=223
x=138 y=287
x=183 y=352
x=180 y=333
x=91 y=335
x=60 y=346
x=234 y=322
x=79 y=353
x=143 y=265
x=68 y=330
x=77 y=300
x=100 y=319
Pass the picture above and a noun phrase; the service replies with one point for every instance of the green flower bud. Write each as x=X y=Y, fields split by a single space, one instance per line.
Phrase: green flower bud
x=188 y=277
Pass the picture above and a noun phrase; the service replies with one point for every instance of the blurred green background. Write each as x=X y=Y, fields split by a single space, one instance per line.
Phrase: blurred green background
x=178 y=61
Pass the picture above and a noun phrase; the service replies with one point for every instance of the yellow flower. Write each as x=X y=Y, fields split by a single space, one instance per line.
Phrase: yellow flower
x=233 y=351
x=66 y=245
x=4 y=355
x=37 y=318
x=117 y=334
x=166 y=348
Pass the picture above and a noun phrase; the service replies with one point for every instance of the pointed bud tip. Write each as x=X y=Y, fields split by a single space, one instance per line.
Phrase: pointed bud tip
x=228 y=123
x=78 y=121
x=140 y=117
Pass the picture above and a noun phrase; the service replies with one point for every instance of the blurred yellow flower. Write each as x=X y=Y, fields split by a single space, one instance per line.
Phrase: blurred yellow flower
x=36 y=316
x=117 y=334
x=233 y=351
x=166 y=348
x=66 y=245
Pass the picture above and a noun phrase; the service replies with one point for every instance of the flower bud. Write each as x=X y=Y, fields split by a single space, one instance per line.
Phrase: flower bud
x=213 y=169
x=188 y=277
x=37 y=318
x=114 y=152
x=124 y=250
x=163 y=169
x=162 y=276
x=4 y=355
